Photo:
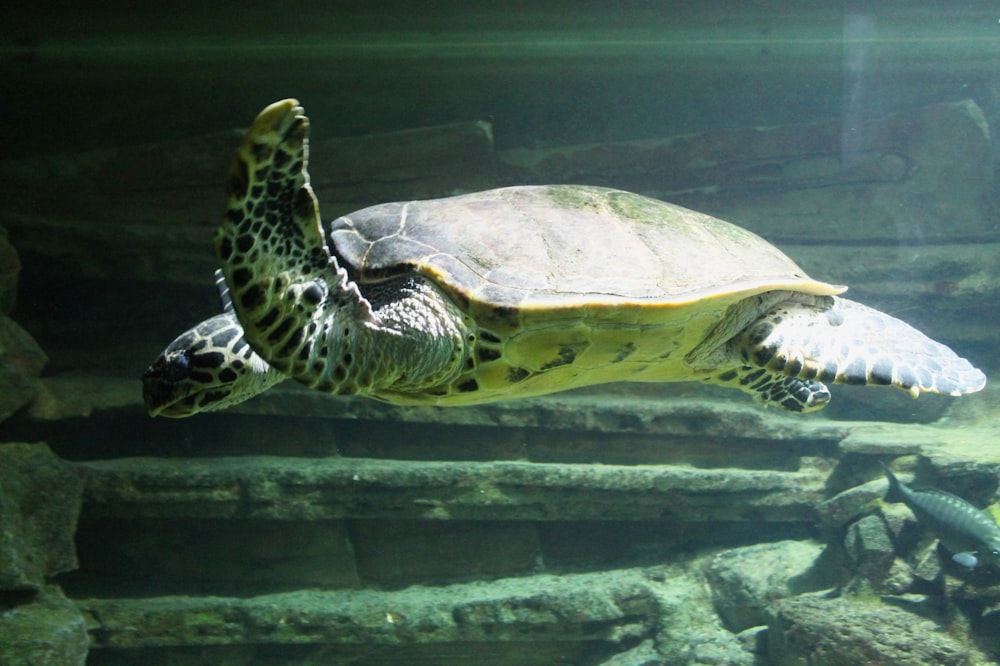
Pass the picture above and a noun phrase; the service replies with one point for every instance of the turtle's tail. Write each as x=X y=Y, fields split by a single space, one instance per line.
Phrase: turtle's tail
x=285 y=286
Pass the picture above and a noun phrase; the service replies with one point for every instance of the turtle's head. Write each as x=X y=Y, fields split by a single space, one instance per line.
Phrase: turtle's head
x=207 y=368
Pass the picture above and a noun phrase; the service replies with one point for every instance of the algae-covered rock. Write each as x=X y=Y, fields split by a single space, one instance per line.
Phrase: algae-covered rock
x=21 y=359
x=43 y=629
x=21 y=363
x=870 y=549
x=689 y=629
x=745 y=580
x=40 y=498
x=10 y=269
x=833 y=632
x=613 y=608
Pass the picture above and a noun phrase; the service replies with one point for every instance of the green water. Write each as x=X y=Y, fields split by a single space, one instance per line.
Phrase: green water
x=574 y=529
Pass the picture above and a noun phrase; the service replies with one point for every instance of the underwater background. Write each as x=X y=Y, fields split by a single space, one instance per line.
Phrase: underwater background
x=614 y=526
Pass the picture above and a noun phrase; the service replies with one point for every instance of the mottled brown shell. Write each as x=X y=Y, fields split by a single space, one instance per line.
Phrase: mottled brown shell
x=509 y=252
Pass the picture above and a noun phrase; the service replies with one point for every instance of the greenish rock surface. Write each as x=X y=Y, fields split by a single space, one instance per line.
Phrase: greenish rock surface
x=744 y=581
x=689 y=629
x=10 y=269
x=325 y=488
x=870 y=548
x=659 y=615
x=644 y=654
x=21 y=359
x=21 y=363
x=834 y=632
x=41 y=629
x=606 y=607
x=40 y=499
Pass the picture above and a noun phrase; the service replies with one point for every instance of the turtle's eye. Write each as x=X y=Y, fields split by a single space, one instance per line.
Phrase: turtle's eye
x=178 y=368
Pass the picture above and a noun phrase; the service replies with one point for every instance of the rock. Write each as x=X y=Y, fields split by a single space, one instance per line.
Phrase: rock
x=613 y=608
x=690 y=631
x=21 y=363
x=745 y=580
x=693 y=419
x=419 y=163
x=846 y=506
x=283 y=488
x=74 y=395
x=40 y=498
x=717 y=653
x=899 y=578
x=870 y=549
x=10 y=269
x=833 y=632
x=980 y=585
x=41 y=629
x=902 y=526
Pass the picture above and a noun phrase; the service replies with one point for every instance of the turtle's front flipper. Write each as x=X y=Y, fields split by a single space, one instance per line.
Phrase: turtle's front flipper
x=283 y=282
x=849 y=343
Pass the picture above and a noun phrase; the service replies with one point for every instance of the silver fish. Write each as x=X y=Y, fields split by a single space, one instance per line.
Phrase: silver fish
x=970 y=534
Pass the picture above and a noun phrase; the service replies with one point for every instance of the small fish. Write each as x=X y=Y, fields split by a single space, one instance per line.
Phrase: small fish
x=970 y=534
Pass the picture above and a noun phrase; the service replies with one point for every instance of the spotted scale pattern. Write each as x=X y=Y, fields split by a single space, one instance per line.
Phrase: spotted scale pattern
x=839 y=341
x=207 y=368
x=299 y=309
x=284 y=283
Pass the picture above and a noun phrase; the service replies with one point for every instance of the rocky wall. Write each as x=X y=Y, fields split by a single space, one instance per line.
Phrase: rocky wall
x=40 y=499
x=632 y=525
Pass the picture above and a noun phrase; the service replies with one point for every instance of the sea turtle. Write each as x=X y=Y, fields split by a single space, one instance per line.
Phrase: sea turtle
x=516 y=292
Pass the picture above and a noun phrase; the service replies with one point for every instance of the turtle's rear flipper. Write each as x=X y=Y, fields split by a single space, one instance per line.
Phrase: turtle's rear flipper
x=772 y=388
x=850 y=343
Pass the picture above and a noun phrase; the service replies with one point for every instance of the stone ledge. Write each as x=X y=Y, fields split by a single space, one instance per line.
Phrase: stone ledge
x=41 y=628
x=263 y=487
x=39 y=507
x=607 y=606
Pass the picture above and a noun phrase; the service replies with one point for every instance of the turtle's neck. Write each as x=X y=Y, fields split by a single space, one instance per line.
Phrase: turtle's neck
x=416 y=340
